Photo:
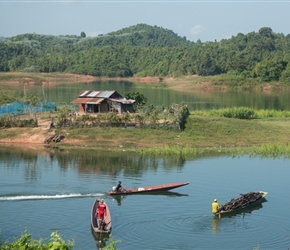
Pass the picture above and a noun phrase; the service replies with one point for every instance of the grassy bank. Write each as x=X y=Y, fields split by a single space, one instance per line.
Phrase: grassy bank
x=205 y=131
x=202 y=134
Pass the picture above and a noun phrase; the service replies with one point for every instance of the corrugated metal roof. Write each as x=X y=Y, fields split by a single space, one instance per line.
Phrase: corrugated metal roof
x=81 y=100
x=84 y=93
x=93 y=93
x=95 y=100
x=96 y=93
x=124 y=101
x=88 y=100
x=106 y=94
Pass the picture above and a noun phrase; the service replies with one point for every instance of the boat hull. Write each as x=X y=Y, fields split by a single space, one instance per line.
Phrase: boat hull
x=260 y=198
x=107 y=219
x=148 y=189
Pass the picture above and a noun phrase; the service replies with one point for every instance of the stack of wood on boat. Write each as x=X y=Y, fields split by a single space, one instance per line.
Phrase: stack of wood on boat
x=243 y=201
x=54 y=138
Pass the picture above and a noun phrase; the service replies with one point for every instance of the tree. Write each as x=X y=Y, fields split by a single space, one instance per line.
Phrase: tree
x=83 y=34
x=7 y=96
x=140 y=99
x=32 y=102
x=285 y=76
x=266 y=31
x=270 y=70
x=181 y=113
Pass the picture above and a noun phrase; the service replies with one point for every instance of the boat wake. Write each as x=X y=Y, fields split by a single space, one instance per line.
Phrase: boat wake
x=47 y=197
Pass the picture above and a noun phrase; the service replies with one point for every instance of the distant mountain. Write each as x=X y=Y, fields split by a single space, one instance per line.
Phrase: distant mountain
x=42 y=42
x=146 y=35
x=138 y=35
x=2 y=38
x=144 y=50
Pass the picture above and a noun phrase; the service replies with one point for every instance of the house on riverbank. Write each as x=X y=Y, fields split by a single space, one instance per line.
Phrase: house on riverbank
x=103 y=101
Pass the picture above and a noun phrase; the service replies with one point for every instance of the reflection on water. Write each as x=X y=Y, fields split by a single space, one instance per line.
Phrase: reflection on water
x=110 y=163
x=215 y=224
x=216 y=220
x=88 y=162
x=101 y=239
x=120 y=198
x=246 y=210
x=160 y=95
x=55 y=190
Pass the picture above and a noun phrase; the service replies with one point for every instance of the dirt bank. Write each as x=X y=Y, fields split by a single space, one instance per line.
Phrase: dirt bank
x=50 y=79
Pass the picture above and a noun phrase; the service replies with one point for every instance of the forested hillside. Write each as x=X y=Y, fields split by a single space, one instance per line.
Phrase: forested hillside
x=144 y=50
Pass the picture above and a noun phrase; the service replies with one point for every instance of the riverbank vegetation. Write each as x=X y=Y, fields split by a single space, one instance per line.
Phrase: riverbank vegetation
x=26 y=241
x=56 y=242
x=244 y=60
x=244 y=131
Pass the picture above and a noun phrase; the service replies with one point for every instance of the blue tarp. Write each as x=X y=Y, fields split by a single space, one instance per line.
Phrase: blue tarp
x=21 y=108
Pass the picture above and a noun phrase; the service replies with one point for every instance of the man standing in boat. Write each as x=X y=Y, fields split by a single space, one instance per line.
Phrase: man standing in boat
x=101 y=211
x=215 y=207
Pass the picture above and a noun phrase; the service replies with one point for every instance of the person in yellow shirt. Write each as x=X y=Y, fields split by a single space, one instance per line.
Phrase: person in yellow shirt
x=215 y=207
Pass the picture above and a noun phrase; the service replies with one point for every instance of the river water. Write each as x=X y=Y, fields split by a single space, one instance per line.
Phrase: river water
x=44 y=191
x=161 y=95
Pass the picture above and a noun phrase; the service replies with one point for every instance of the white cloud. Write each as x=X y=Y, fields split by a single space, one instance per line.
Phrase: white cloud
x=197 y=29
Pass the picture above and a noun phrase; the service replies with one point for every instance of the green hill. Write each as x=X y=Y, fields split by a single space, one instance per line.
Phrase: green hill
x=144 y=50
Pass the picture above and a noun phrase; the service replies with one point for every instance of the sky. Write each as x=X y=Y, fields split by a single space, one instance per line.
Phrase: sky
x=204 y=20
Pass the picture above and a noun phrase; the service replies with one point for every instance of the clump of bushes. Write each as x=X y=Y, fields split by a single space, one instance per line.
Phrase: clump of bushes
x=244 y=113
x=26 y=242
x=235 y=112
x=239 y=113
x=9 y=121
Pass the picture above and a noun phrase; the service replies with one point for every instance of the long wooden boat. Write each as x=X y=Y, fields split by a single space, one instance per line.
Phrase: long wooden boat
x=107 y=225
x=242 y=202
x=163 y=187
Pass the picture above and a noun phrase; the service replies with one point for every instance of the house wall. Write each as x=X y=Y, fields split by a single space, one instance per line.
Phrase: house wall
x=106 y=107
x=127 y=108
x=82 y=108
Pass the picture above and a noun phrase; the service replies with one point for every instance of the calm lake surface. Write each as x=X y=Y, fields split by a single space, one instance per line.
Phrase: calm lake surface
x=160 y=95
x=48 y=191
x=45 y=191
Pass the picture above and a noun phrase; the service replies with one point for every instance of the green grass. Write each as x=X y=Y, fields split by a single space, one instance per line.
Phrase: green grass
x=203 y=134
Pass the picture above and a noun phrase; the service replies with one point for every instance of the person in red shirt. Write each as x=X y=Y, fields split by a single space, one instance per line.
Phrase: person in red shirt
x=101 y=212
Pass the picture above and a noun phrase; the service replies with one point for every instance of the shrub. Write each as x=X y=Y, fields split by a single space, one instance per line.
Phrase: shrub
x=28 y=243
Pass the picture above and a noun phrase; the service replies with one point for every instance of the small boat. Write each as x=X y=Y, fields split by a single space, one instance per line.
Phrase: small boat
x=106 y=226
x=244 y=201
x=163 y=187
